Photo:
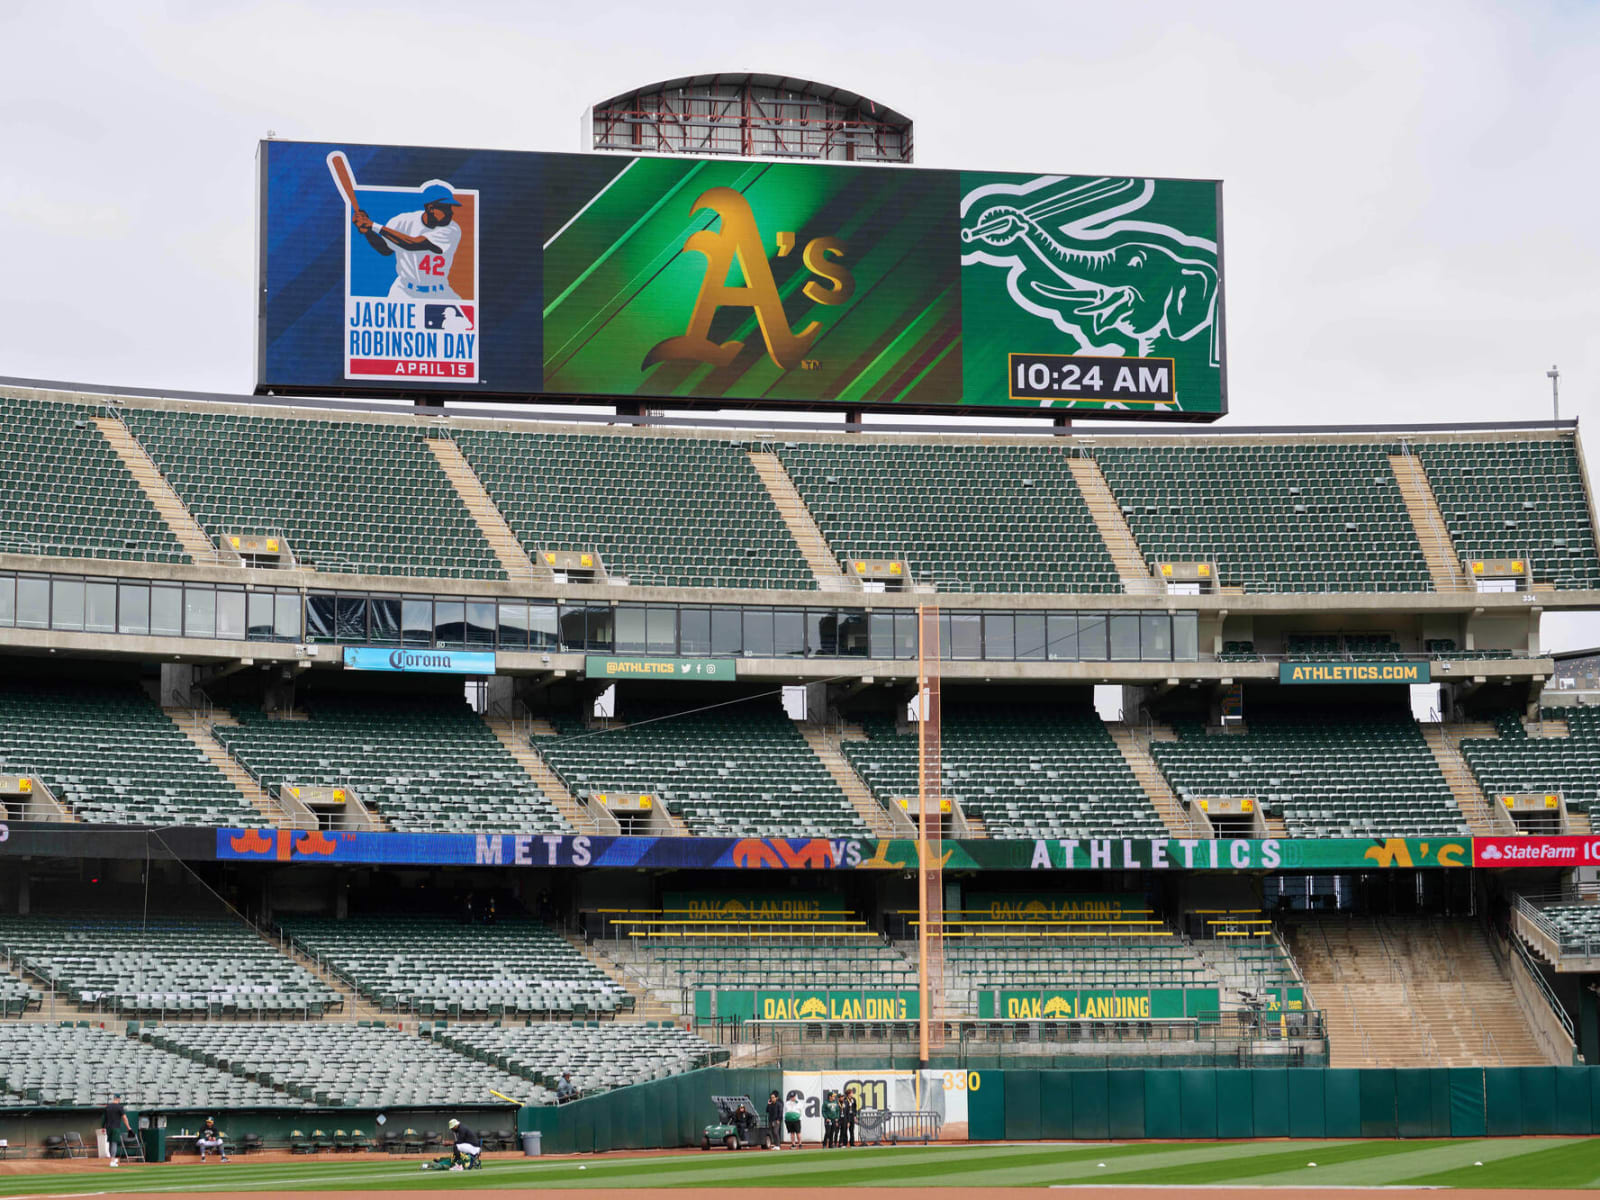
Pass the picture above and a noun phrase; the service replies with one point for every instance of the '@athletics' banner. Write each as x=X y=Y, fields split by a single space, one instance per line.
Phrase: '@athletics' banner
x=735 y=282
x=837 y=854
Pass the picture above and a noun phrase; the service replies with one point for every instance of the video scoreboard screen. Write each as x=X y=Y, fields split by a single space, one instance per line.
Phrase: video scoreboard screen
x=737 y=283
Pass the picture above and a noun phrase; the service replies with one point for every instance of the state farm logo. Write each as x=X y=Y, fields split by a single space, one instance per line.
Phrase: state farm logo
x=1566 y=851
x=1490 y=853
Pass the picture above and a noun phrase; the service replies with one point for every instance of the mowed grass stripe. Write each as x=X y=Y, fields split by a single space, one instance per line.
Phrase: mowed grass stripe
x=1275 y=1159
x=1568 y=1163
x=1516 y=1163
x=1387 y=1171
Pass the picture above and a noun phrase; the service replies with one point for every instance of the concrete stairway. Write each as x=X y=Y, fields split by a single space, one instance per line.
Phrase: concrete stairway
x=1474 y=805
x=273 y=811
x=802 y=525
x=1150 y=778
x=583 y=818
x=356 y=1006
x=1412 y=992
x=646 y=1007
x=1438 y=550
x=507 y=548
x=1547 y=727
x=1114 y=531
x=875 y=816
x=155 y=485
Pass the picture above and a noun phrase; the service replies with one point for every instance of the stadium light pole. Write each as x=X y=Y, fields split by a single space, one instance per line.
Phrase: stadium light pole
x=1554 y=376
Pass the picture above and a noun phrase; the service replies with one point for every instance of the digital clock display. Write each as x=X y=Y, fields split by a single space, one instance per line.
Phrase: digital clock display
x=1131 y=381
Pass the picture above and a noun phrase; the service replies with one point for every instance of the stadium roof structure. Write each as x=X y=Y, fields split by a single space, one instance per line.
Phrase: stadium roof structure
x=753 y=115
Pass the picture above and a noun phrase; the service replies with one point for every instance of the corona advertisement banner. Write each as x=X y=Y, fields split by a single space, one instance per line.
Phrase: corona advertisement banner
x=734 y=282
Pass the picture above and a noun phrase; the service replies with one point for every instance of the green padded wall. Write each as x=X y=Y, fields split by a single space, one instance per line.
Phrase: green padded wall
x=1055 y=1104
x=1466 y=1102
x=1573 y=1100
x=986 y=1108
x=1502 y=1098
x=1236 y=1117
x=1022 y=1104
x=1091 y=1104
x=1307 y=1104
x=1341 y=1113
x=1380 y=1116
x=1197 y=1098
x=1125 y=1102
x=1270 y=1101
x=1162 y=1114
x=1538 y=1099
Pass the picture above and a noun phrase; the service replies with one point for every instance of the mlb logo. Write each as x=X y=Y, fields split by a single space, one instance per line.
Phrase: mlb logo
x=451 y=318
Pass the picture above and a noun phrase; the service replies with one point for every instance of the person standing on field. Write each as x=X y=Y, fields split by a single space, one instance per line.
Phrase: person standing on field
x=116 y=1124
x=847 y=1117
x=775 y=1121
x=830 y=1119
x=791 y=1118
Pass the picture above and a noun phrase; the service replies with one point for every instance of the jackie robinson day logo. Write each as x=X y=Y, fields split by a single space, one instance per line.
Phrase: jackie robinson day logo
x=410 y=279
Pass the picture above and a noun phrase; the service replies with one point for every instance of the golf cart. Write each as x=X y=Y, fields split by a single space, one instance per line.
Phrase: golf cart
x=756 y=1132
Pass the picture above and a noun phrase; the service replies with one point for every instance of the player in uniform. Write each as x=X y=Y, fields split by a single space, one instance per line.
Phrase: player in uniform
x=423 y=244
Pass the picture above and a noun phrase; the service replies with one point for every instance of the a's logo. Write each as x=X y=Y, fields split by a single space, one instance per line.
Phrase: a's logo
x=739 y=241
x=1076 y=256
x=411 y=279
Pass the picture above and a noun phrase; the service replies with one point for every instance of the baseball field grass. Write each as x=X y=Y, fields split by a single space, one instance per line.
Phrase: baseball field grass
x=1519 y=1164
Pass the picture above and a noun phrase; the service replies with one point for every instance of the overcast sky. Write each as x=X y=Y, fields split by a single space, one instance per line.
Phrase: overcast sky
x=1411 y=226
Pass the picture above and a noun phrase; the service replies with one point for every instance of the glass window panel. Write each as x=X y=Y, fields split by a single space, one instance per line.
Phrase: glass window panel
x=880 y=635
x=694 y=631
x=1186 y=636
x=66 y=604
x=513 y=633
x=416 y=622
x=1124 y=636
x=758 y=632
x=966 y=635
x=544 y=628
x=450 y=623
x=230 y=614
x=200 y=613
x=166 y=610
x=258 y=616
x=727 y=631
x=286 y=616
x=822 y=632
x=852 y=633
x=1155 y=637
x=33 y=601
x=788 y=633
x=1000 y=636
x=1031 y=636
x=630 y=629
x=349 y=618
x=8 y=600
x=385 y=616
x=661 y=631
x=905 y=635
x=480 y=623
x=1092 y=637
x=601 y=624
x=100 y=607
x=133 y=608
x=944 y=636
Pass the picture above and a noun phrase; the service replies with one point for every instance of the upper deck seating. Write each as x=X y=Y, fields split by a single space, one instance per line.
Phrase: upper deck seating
x=347 y=495
x=971 y=518
x=68 y=493
x=660 y=511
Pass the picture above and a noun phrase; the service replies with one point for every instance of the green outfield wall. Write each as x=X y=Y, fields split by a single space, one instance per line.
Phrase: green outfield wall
x=1096 y=1104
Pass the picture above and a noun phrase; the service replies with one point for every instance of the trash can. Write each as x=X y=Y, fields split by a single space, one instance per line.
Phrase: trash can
x=532 y=1144
x=155 y=1144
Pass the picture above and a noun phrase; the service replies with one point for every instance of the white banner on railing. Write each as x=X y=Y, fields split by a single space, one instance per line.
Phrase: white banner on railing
x=941 y=1092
